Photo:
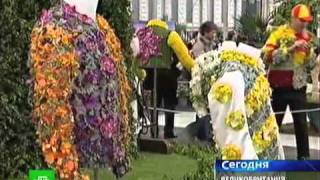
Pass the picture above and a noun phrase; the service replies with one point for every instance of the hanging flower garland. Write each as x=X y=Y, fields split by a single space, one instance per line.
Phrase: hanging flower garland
x=266 y=136
x=212 y=66
x=258 y=95
x=80 y=93
x=235 y=56
x=54 y=70
x=124 y=86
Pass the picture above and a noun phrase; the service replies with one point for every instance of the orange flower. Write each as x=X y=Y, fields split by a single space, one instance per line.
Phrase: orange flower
x=51 y=93
x=69 y=166
x=62 y=111
x=41 y=83
x=53 y=140
x=50 y=157
x=67 y=58
x=48 y=119
x=65 y=149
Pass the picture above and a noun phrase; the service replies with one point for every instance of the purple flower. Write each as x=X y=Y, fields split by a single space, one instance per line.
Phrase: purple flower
x=91 y=44
x=149 y=44
x=93 y=77
x=108 y=128
x=118 y=152
x=99 y=36
x=85 y=19
x=111 y=118
x=69 y=11
x=93 y=121
x=90 y=102
x=46 y=17
x=107 y=65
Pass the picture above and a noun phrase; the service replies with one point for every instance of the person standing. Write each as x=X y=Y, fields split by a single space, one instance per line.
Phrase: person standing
x=206 y=39
x=290 y=56
x=205 y=43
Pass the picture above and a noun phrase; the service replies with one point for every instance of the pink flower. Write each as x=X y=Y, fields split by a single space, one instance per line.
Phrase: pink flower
x=86 y=19
x=46 y=17
x=149 y=44
x=108 y=128
x=107 y=65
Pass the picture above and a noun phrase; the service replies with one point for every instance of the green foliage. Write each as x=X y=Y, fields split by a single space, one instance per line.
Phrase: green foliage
x=18 y=147
x=282 y=13
x=205 y=156
x=118 y=14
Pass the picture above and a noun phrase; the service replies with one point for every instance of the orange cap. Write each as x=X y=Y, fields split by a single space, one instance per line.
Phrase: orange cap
x=302 y=12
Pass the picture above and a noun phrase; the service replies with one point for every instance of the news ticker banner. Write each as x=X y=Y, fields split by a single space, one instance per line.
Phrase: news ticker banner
x=245 y=166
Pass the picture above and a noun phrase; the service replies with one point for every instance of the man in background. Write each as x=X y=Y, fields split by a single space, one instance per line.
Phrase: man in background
x=288 y=73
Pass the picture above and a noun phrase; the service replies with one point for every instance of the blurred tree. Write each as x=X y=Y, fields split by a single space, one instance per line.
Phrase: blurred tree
x=252 y=29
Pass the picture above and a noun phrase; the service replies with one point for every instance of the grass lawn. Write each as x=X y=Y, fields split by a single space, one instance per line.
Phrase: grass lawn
x=151 y=166
x=155 y=167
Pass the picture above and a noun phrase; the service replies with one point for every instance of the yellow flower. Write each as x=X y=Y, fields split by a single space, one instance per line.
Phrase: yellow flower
x=299 y=58
x=231 y=152
x=234 y=56
x=265 y=137
x=157 y=22
x=181 y=50
x=222 y=93
x=258 y=95
x=235 y=120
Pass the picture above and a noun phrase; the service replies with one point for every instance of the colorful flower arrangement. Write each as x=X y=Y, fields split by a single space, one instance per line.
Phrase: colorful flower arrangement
x=231 y=152
x=124 y=86
x=80 y=93
x=149 y=44
x=284 y=37
x=53 y=70
x=210 y=67
x=206 y=72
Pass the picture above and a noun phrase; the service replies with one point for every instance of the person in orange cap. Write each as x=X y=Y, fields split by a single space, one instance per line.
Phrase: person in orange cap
x=290 y=56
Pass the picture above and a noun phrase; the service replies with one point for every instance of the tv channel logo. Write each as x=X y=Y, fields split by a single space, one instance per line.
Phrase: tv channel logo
x=41 y=175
